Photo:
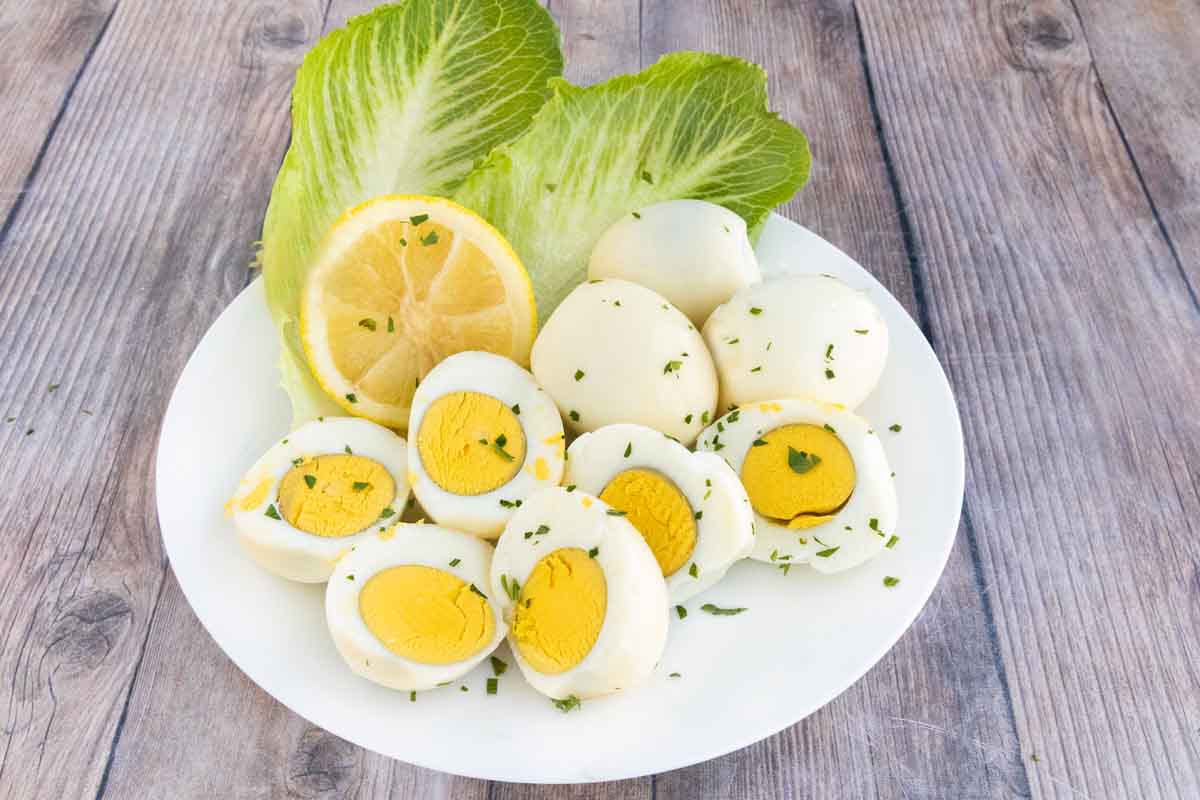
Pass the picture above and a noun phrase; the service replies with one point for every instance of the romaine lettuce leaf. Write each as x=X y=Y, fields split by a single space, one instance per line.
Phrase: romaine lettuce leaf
x=694 y=125
x=404 y=99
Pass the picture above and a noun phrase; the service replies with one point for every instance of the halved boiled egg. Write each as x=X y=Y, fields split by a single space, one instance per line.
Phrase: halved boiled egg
x=408 y=607
x=485 y=436
x=317 y=493
x=585 y=600
x=817 y=478
x=689 y=507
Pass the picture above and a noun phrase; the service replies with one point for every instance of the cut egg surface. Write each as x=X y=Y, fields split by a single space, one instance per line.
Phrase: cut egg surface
x=614 y=351
x=484 y=436
x=817 y=479
x=408 y=607
x=799 y=336
x=582 y=593
x=689 y=507
x=317 y=493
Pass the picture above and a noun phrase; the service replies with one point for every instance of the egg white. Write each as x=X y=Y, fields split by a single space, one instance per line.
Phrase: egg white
x=634 y=631
x=725 y=529
x=798 y=336
x=873 y=498
x=484 y=514
x=290 y=552
x=404 y=543
x=692 y=252
x=614 y=351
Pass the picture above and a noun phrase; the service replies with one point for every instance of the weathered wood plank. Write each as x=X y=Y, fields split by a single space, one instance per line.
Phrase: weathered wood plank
x=136 y=232
x=1063 y=319
x=1147 y=57
x=933 y=718
x=44 y=49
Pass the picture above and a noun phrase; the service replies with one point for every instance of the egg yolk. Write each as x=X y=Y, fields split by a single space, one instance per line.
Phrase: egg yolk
x=335 y=495
x=659 y=511
x=470 y=443
x=425 y=614
x=560 y=610
x=803 y=475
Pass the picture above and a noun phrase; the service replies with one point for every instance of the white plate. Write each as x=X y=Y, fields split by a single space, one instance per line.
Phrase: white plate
x=804 y=640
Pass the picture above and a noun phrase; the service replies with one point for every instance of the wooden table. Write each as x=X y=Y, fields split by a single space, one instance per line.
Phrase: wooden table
x=1024 y=176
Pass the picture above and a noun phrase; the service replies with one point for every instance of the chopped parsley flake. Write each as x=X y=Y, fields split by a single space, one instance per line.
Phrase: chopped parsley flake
x=674 y=675
x=499 y=666
x=429 y=238
x=757 y=369
x=615 y=512
x=360 y=486
x=568 y=703
x=861 y=331
x=628 y=450
x=454 y=562
x=892 y=542
x=734 y=340
x=579 y=374
x=672 y=366
x=498 y=446
x=647 y=177
x=895 y=427
x=755 y=310
x=475 y=589
x=687 y=420
x=418 y=219
x=758 y=443
x=574 y=415
x=571 y=487
x=693 y=570
x=829 y=428
x=721 y=612
x=636 y=215
x=310 y=480
x=595 y=551
x=829 y=375
x=367 y=323
x=412 y=697
x=681 y=612
x=800 y=461
x=516 y=408
x=890 y=581
x=352 y=397
x=704 y=418
x=509 y=503
x=492 y=685
x=699 y=514
x=391 y=325
x=272 y=513
x=827 y=552
x=387 y=512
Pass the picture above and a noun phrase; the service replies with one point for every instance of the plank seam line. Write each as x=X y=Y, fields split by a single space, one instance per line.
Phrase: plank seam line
x=1137 y=169
x=137 y=669
x=35 y=168
x=919 y=288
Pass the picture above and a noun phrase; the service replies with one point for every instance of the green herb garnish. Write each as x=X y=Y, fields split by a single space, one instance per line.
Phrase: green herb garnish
x=757 y=369
x=801 y=461
x=454 y=562
x=310 y=480
x=579 y=375
x=492 y=685
x=475 y=589
x=628 y=450
x=418 y=219
x=570 y=487
x=721 y=612
x=672 y=366
x=498 y=446
x=894 y=427
x=352 y=397
x=827 y=552
x=829 y=428
x=568 y=703
x=704 y=418
x=615 y=512
x=687 y=420
x=829 y=352
x=681 y=612
x=516 y=408
x=890 y=581
x=861 y=331
x=693 y=570
x=369 y=324
x=829 y=375
x=636 y=215
x=647 y=177
x=595 y=551
x=755 y=310
x=272 y=513
x=387 y=512
x=574 y=415
x=499 y=666
x=758 y=443
x=699 y=514
x=892 y=542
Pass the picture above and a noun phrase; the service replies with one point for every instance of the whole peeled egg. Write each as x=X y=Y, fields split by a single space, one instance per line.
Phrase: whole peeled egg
x=614 y=351
x=799 y=336
x=692 y=252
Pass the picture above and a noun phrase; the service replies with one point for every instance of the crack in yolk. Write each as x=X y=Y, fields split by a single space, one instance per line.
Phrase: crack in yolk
x=470 y=443
x=660 y=513
x=425 y=614
x=335 y=495
x=808 y=494
x=560 y=610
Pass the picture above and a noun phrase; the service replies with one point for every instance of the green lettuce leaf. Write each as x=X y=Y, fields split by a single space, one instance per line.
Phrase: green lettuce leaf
x=694 y=125
x=405 y=99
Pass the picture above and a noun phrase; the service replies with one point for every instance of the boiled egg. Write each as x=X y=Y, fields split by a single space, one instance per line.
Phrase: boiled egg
x=799 y=336
x=694 y=253
x=689 y=507
x=485 y=436
x=614 y=351
x=317 y=493
x=408 y=607
x=584 y=598
x=817 y=478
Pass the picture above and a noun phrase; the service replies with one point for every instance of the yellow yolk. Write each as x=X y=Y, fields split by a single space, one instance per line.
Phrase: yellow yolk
x=560 y=610
x=335 y=495
x=470 y=443
x=425 y=614
x=659 y=511
x=803 y=474
x=256 y=496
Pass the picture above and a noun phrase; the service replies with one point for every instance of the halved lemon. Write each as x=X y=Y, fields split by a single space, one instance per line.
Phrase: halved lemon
x=402 y=282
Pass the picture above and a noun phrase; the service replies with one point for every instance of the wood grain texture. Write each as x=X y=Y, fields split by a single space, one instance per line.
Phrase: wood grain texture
x=932 y=719
x=44 y=49
x=1061 y=315
x=1147 y=61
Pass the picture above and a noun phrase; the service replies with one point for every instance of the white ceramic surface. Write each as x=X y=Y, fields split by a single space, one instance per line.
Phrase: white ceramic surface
x=804 y=640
